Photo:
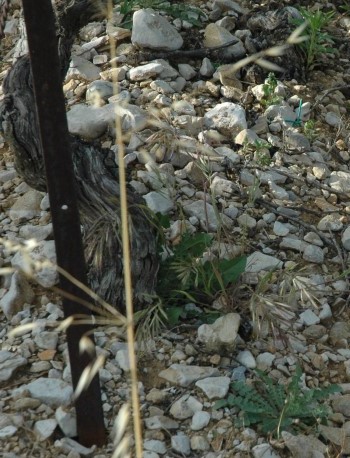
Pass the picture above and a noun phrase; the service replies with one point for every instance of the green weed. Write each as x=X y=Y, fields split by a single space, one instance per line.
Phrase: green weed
x=345 y=8
x=261 y=151
x=185 y=276
x=275 y=407
x=319 y=42
x=270 y=84
x=310 y=130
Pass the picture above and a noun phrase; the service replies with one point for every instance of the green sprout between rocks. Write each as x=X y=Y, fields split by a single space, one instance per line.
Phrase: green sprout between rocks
x=261 y=151
x=319 y=42
x=187 y=276
x=274 y=407
x=269 y=87
x=310 y=130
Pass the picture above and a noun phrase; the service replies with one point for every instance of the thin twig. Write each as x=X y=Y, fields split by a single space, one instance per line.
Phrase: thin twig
x=182 y=53
x=314 y=183
x=327 y=92
x=309 y=227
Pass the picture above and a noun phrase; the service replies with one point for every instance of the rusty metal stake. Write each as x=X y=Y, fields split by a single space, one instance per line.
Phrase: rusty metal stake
x=40 y=24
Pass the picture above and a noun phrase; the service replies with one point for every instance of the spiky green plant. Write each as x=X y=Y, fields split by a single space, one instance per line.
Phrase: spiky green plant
x=275 y=407
x=186 y=276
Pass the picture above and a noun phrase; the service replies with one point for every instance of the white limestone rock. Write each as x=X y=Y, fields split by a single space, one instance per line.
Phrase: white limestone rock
x=159 y=201
x=91 y=122
x=200 y=420
x=345 y=239
x=216 y=35
x=228 y=118
x=150 y=30
x=27 y=206
x=221 y=335
x=98 y=92
x=44 y=429
x=206 y=214
x=258 y=261
x=19 y=293
x=83 y=69
x=340 y=181
x=214 y=387
x=44 y=251
x=185 y=407
x=184 y=375
x=66 y=421
x=144 y=72
x=9 y=363
x=50 y=391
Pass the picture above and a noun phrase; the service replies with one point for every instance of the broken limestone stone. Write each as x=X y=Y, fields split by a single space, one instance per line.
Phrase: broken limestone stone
x=340 y=181
x=184 y=375
x=303 y=446
x=91 y=122
x=228 y=118
x=19 y=294
x=214 y=387
x=150 y=30
x=98 y=92
x=45 y=274
x=216 y=35
x=221 y=335
x=258 y=261
x=81 y=68
x=53 y=392
x=9 y=363
x=206 y=214
x=27 y=206
x=44 y=428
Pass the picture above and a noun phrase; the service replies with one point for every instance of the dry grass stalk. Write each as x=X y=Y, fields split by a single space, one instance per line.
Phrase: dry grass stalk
x=127 y=271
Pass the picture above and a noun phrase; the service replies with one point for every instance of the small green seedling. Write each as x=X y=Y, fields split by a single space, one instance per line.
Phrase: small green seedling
x=310 y=130
x=269 y=86
x=261 y=151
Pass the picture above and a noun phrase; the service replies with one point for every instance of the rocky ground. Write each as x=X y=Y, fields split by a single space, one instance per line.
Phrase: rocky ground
x=281 y=186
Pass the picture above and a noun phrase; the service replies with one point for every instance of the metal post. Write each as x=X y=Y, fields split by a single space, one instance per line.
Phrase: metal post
x=40 y=24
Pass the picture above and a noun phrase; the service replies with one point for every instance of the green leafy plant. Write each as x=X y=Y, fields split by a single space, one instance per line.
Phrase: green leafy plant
x=345 y=7
x=310 y=130
x=269 y=86
x=263 y=158
x=262 y=154
x=319 y=42
x=181 y=11
x=261 y=151
x=186 y=277
x=275 y=407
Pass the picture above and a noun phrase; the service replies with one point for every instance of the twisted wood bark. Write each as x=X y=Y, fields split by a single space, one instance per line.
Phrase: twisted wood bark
x=95 y=171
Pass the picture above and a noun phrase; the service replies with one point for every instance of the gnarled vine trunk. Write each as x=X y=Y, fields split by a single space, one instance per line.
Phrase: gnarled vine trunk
x=95 y=171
